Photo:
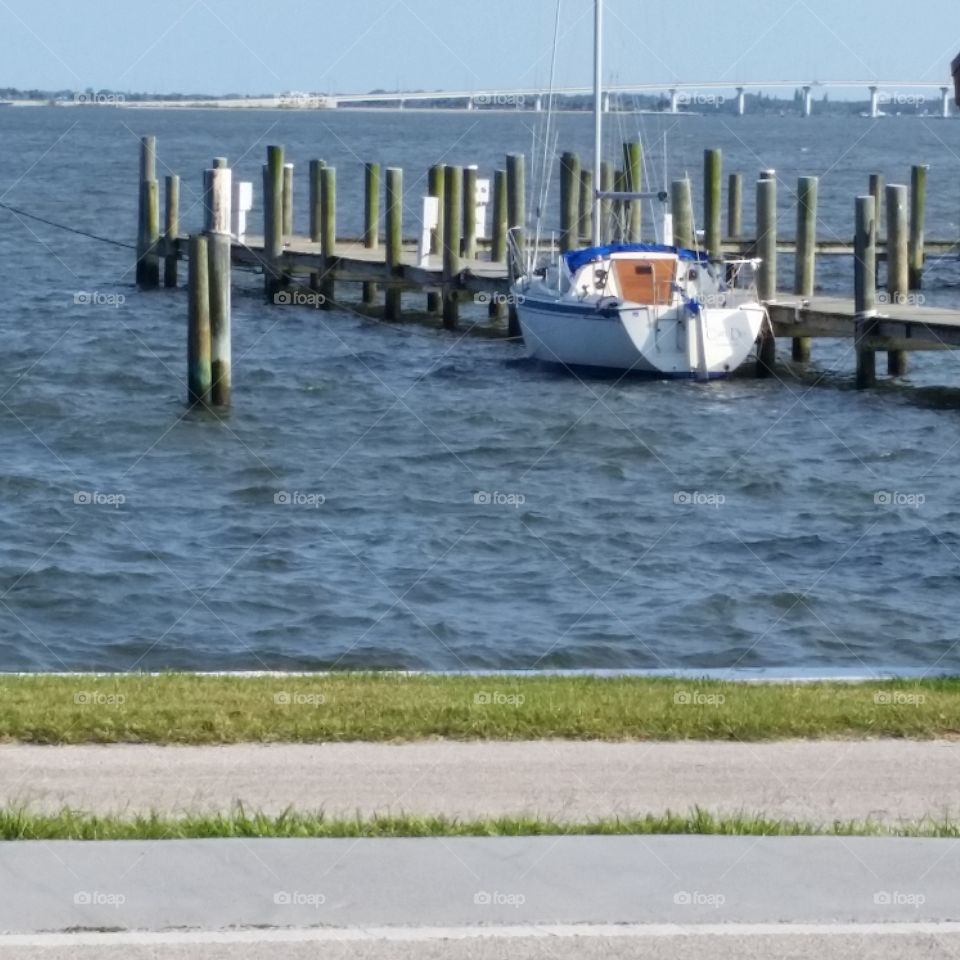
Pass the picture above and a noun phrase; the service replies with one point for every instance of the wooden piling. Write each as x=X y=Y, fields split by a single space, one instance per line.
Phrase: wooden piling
x=735 y=206
x=171 y=229
x=767 y=273
x=328 y=235
x=898 y=262
x=607 y=184
x=468 y=246
x=878 y=189
x=681 y=205
x=198 y=324
x=218 y=204
x=287 y=201
x=586 y=206
x=569 y=202
x=633 y=183
x=371 y=221
x=806 y=255
x=498 y=247
x=619 y=232
x=436 y=183
x=452 y=229
x=394 y=216
x=865 y=285
x=273 y=221
x=918 y=217
x=712 y=203
x=148 y=217
x=517 y=220
x=315 y=189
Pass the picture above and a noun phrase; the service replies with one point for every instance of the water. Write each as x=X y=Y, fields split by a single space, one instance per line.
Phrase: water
x=582 y=558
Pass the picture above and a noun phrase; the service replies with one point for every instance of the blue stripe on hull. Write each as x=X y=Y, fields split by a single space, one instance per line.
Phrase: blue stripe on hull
x=610 y=372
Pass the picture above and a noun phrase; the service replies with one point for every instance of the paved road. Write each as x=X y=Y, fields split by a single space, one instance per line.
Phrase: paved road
x=883 y=780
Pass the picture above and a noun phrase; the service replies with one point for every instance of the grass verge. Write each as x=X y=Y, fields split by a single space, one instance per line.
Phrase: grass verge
x=73 y=825
x=190 y=709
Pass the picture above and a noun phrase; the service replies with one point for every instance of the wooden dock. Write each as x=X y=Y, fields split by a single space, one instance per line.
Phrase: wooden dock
x=457 y=264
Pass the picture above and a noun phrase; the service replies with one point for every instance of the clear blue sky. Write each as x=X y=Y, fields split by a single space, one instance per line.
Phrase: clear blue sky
x=272 y=46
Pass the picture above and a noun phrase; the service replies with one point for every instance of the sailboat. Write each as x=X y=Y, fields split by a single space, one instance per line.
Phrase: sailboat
x=649 y=308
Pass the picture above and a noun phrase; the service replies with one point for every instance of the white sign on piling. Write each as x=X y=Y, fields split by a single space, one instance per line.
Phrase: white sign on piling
x=242 y=205
x=431 y=221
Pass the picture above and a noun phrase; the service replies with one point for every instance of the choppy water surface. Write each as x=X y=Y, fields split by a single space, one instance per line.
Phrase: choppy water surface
x=399 y=497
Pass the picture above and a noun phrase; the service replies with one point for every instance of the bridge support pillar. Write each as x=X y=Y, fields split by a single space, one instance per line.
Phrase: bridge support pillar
x=674 y=101
x=606 y=103
x=538 y=104
x=469 y=103
x=741 y=101
x=807 y=101
x=874 y=102
x=945 y=102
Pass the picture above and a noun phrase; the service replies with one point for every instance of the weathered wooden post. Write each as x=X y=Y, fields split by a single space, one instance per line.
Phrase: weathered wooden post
x=328 y=235
x=435 y=181
x=619 y=232
x=806 y=257
x=569 y=202
x=517 y=217
x=498 y=247
x=394 y=259
x=898 y=263
x=218 y=204
x=633 y=183
x=148 y=225
x=712 y=203
x=452 y=229
x=918 y=218
x=735 y=206
x=681 y=206
x=607 y=184
x=198 y=324
x=865 y=284
x=878 y=189
x=287 y=201
x=273 y=221
x=315 y=189
x=469 y=245
x=767 y=273
x=371 y=221
x=586 y=206
x=171 y=230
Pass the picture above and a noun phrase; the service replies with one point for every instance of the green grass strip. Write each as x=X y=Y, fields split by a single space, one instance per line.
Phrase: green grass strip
x=190 y=709
x=74 y=825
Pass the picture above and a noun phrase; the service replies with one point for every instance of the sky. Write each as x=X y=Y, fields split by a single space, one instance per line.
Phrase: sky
x=318 y=46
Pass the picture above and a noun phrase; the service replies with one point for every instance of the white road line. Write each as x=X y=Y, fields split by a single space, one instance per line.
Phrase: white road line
x=434 y=934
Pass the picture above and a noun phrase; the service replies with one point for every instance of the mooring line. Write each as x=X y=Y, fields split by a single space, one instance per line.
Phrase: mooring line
x=63 y=226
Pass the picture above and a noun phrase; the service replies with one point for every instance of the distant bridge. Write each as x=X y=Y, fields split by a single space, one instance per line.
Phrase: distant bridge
x=882 y=93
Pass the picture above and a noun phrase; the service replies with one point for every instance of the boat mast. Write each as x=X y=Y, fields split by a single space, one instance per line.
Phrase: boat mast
x=597 y=118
